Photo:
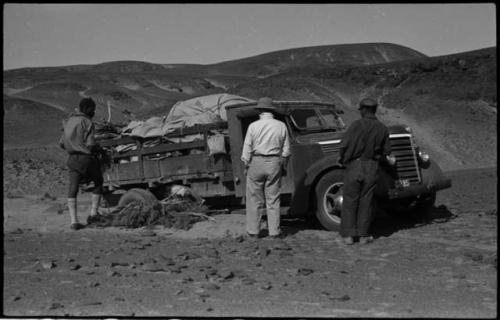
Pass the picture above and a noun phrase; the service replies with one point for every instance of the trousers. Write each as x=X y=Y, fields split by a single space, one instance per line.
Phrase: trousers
x=83 y=167
x=360 y=179
x=263 y=194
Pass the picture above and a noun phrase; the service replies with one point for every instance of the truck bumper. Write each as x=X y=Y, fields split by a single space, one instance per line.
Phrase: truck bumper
x=423 y=188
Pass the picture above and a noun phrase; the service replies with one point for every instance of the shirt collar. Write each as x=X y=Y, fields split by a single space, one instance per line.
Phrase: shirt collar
x=266 y=115
x=79 y=114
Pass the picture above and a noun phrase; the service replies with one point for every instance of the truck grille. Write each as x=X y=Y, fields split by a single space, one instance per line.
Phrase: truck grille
x=406 y=158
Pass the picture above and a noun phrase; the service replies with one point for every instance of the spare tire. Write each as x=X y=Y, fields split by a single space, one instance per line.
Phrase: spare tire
x=142 y=196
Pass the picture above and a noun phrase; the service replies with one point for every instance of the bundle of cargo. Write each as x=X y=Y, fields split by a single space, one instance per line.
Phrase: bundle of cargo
x=193 y=130
x=190 y=113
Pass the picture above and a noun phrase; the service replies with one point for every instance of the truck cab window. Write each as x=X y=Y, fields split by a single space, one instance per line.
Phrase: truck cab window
x=305 y=118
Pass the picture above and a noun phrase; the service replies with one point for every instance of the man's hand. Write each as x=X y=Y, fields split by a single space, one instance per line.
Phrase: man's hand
x=284 y=162
x=391 y=159
x=339 y=163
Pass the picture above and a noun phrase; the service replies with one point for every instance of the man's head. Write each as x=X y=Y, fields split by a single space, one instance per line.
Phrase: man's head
x=265 y=104
x=367 y=105
x=87 y=106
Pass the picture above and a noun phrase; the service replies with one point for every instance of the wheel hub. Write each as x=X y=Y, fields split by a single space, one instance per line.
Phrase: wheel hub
x=332 y=201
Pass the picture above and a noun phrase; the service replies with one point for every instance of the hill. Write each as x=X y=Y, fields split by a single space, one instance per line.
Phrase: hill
x=449 y=101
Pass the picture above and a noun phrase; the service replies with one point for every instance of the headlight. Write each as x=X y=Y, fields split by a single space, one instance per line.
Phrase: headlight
x=423 y=156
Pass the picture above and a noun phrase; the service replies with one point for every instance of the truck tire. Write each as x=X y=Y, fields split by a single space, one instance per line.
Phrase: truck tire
x=329 y=200
x=142 y=196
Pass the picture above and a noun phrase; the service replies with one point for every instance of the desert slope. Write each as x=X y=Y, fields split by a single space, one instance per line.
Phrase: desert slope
x=449 y=101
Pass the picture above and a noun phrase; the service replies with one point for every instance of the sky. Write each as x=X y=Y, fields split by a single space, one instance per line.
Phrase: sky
x=43 y=35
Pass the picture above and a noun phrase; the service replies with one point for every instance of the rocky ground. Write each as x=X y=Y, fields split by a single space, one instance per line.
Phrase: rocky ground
x=444 y=265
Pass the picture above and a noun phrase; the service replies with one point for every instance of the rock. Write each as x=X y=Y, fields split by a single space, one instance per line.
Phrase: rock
x=121 y=264
x=345 y=297
x=113 y=274
x=178 y=292
x=175 y=269
x=17 y=231
x=475 y=256
x=167 y=260
x=210 y=309
x=75 y=267
x=94 y=284
x=240 y=238
x=55 y=305
x=248 y=281
x=210 y=286
x=282 y=246
x=16 y=298
x=91 y=303
x=266 y=286
x=304 y=271
x=147 y=233
x=48 y=264
x=120 y=299
x=149 y=267
x=187 y=279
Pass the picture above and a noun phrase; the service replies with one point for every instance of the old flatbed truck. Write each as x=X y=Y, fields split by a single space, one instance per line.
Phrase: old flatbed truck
x=312 y=182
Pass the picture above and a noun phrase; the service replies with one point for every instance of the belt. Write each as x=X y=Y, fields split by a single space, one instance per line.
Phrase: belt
x=266 y=155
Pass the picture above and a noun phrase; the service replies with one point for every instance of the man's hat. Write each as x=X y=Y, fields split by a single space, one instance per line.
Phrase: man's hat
x=368 y=103
x=265 y=103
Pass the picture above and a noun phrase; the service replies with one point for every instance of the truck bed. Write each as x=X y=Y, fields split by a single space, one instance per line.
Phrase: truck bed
x=159 y=161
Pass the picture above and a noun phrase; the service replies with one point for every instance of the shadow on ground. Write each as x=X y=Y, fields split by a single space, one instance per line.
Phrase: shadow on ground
x=384 y=224
x=387 y=223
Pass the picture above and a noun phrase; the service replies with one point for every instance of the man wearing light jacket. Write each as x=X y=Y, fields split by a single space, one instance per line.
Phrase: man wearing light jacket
x=266 y=150
x=78 y=141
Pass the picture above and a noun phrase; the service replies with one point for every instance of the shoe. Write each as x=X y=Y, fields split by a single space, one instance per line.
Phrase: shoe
x=77 y=226
x=253 y=236
x=365 y=240
x=347 y=240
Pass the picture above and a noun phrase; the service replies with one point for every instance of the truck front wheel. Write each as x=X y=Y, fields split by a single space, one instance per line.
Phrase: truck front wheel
x=329 y=197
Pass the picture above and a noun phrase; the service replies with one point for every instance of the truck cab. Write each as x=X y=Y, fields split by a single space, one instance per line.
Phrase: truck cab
x=313 y=180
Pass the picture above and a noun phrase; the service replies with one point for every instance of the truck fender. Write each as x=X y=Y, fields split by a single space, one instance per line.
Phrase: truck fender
x=433 y=174
x=302 y=199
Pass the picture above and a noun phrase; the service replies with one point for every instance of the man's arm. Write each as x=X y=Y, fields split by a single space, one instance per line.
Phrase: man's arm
x=246 y=153
x=386 y=149
x=345 y=142
x=285 y=152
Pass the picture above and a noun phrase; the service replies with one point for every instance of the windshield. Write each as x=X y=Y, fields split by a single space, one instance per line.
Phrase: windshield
x=312 y=119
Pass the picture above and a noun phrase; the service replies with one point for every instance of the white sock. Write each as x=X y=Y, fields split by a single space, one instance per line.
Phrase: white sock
x=96 y=199
x=72 y=210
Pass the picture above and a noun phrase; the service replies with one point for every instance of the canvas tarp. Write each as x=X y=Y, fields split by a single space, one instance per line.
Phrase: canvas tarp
x=200 y=110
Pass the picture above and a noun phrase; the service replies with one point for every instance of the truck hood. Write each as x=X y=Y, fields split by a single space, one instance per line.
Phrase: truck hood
x=333 y=137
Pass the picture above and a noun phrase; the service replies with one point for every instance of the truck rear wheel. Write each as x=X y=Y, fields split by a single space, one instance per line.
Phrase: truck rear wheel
x=329 y=197
x=142 y=196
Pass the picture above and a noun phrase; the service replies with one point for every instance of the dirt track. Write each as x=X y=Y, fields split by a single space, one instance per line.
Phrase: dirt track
x=442 y=266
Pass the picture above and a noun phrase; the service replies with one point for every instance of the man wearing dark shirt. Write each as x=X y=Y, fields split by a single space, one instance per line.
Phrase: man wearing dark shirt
x=365 y=143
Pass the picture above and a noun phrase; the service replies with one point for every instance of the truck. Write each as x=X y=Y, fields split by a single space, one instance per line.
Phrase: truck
x=312 y=182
